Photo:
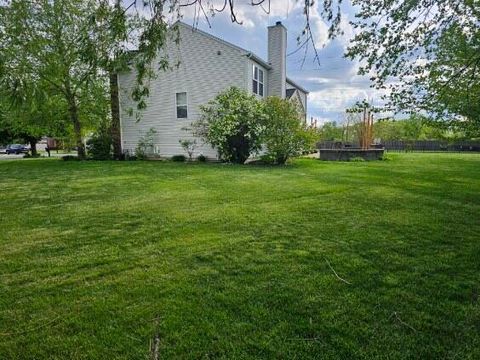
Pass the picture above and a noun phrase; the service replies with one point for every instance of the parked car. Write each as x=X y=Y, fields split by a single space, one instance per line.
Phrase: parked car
x=16 y=149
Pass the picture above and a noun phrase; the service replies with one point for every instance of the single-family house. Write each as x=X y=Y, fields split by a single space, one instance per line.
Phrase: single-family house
x=205 y=66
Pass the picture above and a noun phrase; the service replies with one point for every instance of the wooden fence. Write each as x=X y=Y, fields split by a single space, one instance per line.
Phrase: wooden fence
x=415 y=145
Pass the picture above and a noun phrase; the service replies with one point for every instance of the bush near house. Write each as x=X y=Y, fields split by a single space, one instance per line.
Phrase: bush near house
x=99 y=146
x=179 y=158
x=144 y=147
x=240 y=125
x=285 y=133
x=189 y=147
x=233 y=123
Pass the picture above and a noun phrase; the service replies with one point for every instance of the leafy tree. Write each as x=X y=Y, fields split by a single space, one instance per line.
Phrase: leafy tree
x=388 y=129
x=429 y=48
x=331 y=132
x=27 y=121
x=453 y=82
x=417 y=127
x=233 y=123
x=285 y=134
x=54 y=42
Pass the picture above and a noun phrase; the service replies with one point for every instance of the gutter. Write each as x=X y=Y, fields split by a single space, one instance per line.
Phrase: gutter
x=257 y=59
x=297 y=86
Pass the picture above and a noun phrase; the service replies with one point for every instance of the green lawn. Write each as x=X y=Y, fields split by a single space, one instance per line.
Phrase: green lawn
x=98 y=260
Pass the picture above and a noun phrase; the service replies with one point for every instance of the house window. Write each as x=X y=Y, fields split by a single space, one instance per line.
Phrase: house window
x=257 y=83
x=181 y=101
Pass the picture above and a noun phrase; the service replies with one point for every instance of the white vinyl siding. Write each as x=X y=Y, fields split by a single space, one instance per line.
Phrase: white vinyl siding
x=206 y=66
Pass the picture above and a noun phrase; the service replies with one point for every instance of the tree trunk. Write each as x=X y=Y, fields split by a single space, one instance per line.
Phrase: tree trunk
x=115 y=109
x=77 y=127
x=73 y=112
x=33 y=146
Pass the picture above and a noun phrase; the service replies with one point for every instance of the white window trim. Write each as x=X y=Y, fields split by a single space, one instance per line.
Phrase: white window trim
x=258 y=80
x=176 y=104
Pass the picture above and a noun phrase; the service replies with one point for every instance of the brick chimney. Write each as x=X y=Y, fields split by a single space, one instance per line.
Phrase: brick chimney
x=277 y=53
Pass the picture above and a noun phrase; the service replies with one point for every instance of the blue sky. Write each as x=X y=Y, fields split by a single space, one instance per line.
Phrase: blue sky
x=333 y=84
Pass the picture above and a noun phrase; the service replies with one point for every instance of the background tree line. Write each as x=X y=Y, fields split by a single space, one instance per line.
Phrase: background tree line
x=416 y=127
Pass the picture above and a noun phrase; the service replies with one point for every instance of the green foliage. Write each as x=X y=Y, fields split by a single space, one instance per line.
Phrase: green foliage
x=416 y=127
x=130 y=157
x=145 y=146
x=56 y=49
x=99 y=146
x=28 y=120
x=189 y=146
x=201 y=158
x=30 y=156
x=178 y=158
x=285 y=133
x=70 y=158
x=430 y=48
x=357 y=159
x=387 y=157
x=233 y=123
x=388 y=129
x=266 y=159
x=453 y=82
x=330 y=131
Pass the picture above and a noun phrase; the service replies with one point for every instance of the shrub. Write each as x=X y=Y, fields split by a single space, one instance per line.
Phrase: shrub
x=99 y=146
x=179 y=158
x=70 y=158
x=201 y=158
x=144 y=147
x=357 y=159
x=267 y=159
x=189 y=146
x=386 y=157
x=29 y=156
x=129 y=156
x=263 y=160
x=286 y=134
x=233 y=124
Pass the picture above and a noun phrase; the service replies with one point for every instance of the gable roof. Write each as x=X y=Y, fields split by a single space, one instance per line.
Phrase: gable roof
x=213 y=37
x=247 y=53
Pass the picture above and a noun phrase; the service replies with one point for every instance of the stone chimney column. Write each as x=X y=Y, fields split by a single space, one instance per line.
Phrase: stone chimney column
x=277 y=54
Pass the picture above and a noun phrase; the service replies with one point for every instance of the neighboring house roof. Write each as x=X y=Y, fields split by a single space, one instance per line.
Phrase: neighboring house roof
x=247 y=53
x=294 y=95
x=291 y=82
x=290 y=92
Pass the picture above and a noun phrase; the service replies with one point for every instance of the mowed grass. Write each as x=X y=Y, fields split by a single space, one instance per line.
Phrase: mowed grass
x=100 y=260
